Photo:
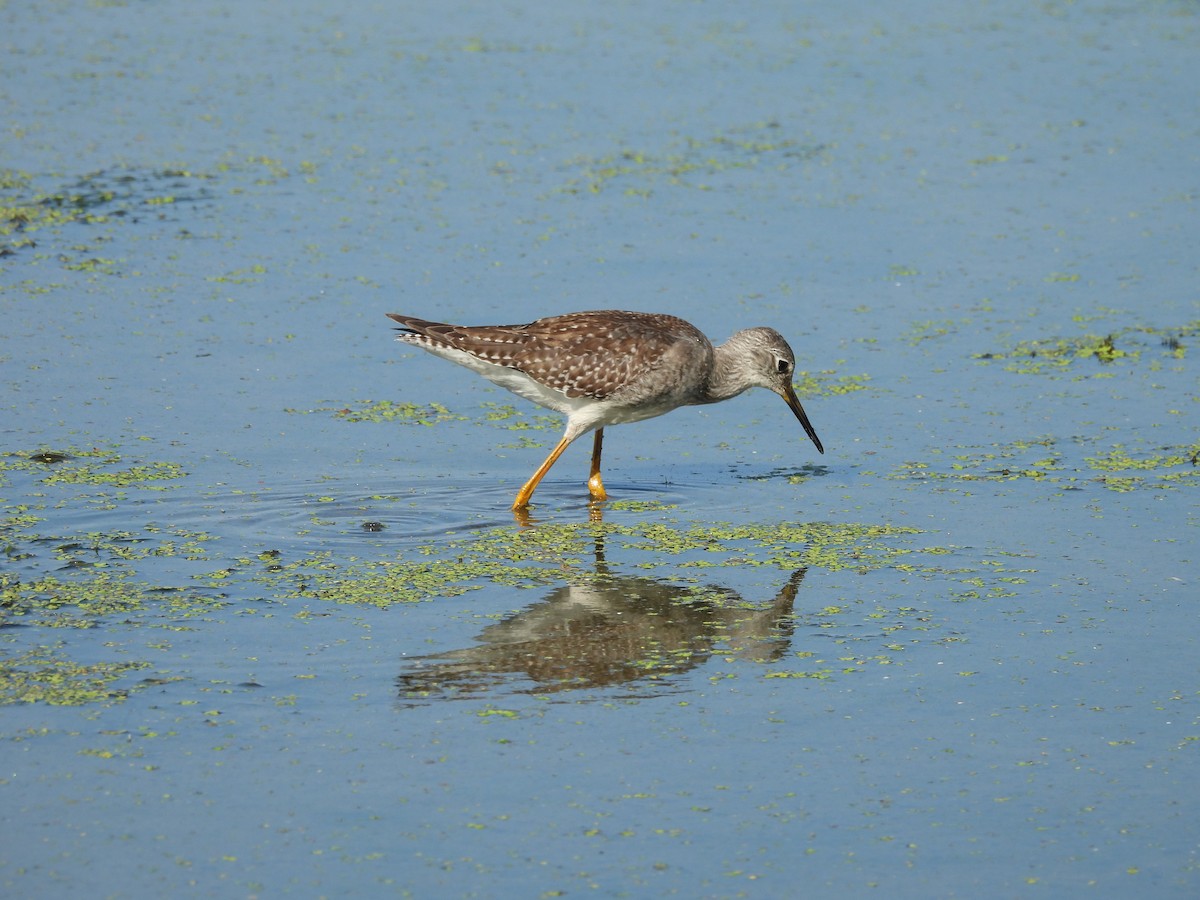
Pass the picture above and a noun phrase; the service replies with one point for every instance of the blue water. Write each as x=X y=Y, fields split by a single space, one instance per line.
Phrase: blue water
x=1005 y=707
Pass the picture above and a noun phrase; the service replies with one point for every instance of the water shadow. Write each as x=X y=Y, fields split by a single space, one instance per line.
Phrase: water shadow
x=603 y=630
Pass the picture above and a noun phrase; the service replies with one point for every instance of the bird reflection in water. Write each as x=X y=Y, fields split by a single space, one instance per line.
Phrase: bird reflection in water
x=607 y=630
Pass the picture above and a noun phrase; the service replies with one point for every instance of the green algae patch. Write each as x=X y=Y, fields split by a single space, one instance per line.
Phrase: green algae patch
x=391 y=411
x=827 y=383
x=91 y=467
x=640 y=506
x=688 y=162
x=1038 y=458
x=1120 y=470
x=383 y=584
x=1071 y=354
x=1059 y=464
x=505 y=415
x=500 y=415
x=555 y=553
x=145 y=476
x=43 y=461
x=52 y=602
x=928 y=330
x=825 y=545
x=27 y=211
x=500 y=556
x=43 y=675
x=78 y=579
x=386 y=411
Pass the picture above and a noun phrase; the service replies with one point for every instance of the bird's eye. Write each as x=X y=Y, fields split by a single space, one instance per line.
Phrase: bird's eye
x=782 y=366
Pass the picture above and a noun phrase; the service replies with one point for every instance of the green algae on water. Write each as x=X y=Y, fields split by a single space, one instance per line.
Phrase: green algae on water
x=90 y=467
x=43 y=675
x=1057 y=463
x=82 y=602
x=387 y=411
x=552 y=553
x=827 y=383
x=28 y=211
x=689 y=162
x=1061 y=355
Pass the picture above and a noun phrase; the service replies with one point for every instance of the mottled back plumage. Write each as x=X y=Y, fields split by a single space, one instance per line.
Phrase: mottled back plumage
x=590 y=354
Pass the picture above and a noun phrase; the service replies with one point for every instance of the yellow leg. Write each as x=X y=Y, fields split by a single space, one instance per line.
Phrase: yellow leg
x=595 y=484
x=526 y=492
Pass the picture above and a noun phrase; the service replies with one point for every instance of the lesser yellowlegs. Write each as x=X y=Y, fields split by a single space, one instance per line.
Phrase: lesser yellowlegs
x=610 y=367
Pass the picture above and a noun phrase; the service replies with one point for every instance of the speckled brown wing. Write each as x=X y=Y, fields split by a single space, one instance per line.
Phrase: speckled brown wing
x=496 y=344
x=598 y=354
x=587 y=354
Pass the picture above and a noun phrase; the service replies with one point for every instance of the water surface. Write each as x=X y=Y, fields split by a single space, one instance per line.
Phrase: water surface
x=268 y=623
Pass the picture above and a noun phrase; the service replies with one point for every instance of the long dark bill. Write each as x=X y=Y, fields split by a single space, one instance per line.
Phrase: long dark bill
x=793 y=402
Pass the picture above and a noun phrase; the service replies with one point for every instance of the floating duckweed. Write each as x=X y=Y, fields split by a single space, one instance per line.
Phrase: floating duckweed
x=90 y=466
x=827 y=383
x=1041 y=460
x=688 y=163
x=554 y=552
x=1169 y=467
x=61 y=602
x=135 y=476
x=387 y=411
x=517 y=420
x=1055 y=355
x=1118 y=459
x=94 y=198
x=641 y=505
x=928 y=330
x=42 y=674
x=391 y=411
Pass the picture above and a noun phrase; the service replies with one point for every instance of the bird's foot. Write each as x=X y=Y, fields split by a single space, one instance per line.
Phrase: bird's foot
x=596 y=488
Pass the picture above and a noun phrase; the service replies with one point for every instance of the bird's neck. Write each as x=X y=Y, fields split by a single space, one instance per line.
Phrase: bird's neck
x=729 y=376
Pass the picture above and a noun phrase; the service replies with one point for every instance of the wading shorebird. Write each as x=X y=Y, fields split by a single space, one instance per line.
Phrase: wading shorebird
x=610 y=367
